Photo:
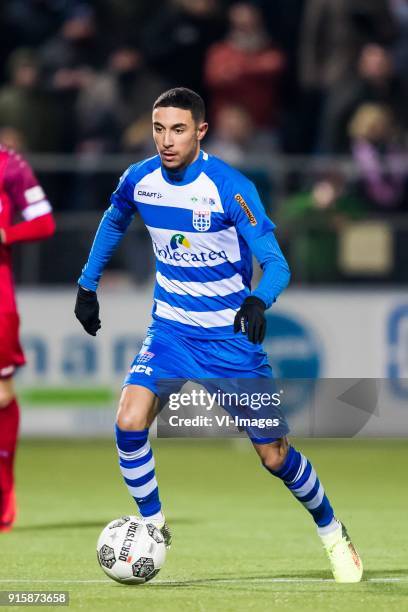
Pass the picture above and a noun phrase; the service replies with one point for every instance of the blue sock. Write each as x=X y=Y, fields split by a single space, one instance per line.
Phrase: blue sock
x=300 y=478
x=136 y=463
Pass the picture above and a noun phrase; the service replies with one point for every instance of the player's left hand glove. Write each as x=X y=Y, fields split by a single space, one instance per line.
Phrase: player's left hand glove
x=87 y=310
x=250 y=319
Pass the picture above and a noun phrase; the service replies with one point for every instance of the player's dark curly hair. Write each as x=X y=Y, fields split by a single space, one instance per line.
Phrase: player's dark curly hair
x=182 y=97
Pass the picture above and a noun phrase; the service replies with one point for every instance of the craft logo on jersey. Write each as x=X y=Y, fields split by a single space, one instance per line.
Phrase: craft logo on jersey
x=177 y=240
x=149 y=194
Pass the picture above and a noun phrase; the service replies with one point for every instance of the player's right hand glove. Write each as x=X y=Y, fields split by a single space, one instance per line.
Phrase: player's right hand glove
x=87 y=310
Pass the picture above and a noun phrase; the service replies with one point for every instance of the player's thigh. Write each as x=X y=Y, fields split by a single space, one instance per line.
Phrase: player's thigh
x=161 y=359
x=273 y=454
x=137 y=408
x=7 y=392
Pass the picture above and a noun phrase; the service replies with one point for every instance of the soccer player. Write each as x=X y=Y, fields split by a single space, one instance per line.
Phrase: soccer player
x=205 y=220
x=20 y=196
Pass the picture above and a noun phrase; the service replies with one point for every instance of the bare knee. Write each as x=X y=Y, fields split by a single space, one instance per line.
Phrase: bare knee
x=136 y=408
x=6 y=393
x=273 y=455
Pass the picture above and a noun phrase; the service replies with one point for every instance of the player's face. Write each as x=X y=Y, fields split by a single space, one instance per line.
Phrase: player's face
x=177 y=136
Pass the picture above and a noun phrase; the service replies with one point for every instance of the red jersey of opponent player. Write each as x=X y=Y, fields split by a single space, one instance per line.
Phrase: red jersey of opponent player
x=23 y=200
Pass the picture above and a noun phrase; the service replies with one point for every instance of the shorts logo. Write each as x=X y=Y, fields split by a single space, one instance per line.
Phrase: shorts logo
x=202 y=219
x=178 y=239
x=141 y=369
x=238 y=197
x=145 y=356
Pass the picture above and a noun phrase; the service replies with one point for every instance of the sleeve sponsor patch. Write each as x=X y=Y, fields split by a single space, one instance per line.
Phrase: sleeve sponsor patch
x=246 y=209
x=34 y=194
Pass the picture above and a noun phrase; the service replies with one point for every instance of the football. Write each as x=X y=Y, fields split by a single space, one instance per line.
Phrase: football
x=131 y=551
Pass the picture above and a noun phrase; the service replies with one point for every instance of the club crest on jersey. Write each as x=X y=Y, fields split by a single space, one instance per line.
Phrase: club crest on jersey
x=202 y=218
x=145 y=356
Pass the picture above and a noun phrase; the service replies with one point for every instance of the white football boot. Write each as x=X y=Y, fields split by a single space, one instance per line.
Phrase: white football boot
x=162 y=526
x=345 y=561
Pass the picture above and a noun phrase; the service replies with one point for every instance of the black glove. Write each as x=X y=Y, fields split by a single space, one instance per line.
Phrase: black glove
x=87 y=310
x=250 y=319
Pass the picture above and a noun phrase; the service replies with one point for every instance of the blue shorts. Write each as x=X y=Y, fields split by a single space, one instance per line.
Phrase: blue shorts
x=165 y=355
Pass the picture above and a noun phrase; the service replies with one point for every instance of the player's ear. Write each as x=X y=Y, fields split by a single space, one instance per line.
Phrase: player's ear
x=202 y=130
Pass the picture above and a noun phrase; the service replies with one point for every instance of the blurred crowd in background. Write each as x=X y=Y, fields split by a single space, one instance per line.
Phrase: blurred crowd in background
x=316 y=78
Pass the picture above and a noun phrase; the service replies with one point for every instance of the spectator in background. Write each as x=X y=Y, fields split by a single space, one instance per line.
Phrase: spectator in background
x=121 y=22
x=333 y=34
x=75 y=47
x=315 y=216
x=246 y=68
x=114 y=109
x=234 y=136
x=175 y=41
x=67 y=60
x=32 y=21
x=380 y=160
x=375 y=81
x=27 y=23
x=12 y=139
x=399 y=10
x=29 y=117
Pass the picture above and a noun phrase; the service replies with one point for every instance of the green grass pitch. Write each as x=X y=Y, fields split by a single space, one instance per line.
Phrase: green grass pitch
x=240 y=541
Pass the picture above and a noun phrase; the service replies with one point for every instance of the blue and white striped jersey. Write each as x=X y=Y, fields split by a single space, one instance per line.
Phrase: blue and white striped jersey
x=203 y=223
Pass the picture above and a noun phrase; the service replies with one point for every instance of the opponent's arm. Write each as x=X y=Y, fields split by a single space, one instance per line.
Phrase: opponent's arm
x=36 y=229
x=29 y=201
